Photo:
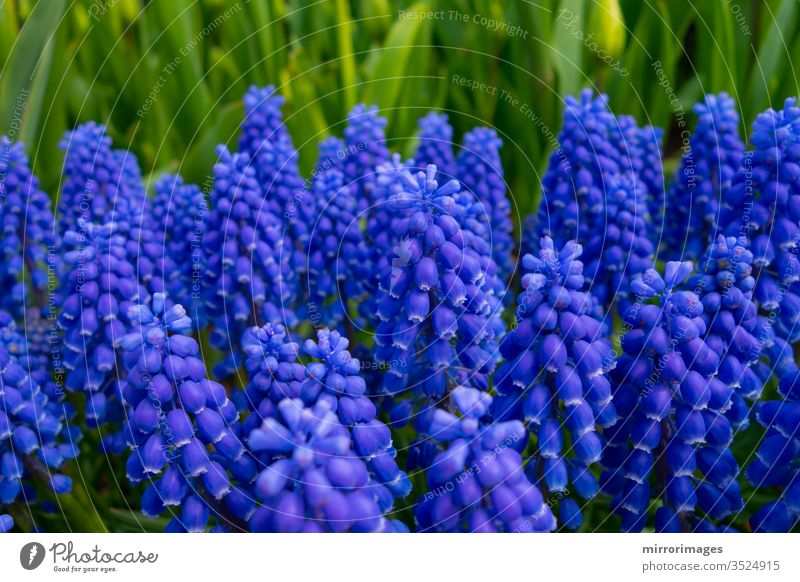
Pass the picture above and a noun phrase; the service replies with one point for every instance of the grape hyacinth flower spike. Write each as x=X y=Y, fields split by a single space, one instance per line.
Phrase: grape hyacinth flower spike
x=333 y=383
x=27 y=232
x=433 y=304
x=35 y=437
x=764 y=198
x=436 y=145
x=181 y=210
x=481 y=172
x=181 y=426
x=477 y=483
x=618 y=247
x=100 y=287
x=311 y=481
x=573 y=186
x=100 y=184
x=672 y=408
x=337 y=257
x=365 y=139
x=554 y=378
x=248 y=278
x=701 y=183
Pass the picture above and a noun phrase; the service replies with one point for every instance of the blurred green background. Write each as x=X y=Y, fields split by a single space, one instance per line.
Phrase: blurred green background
x=167 y=76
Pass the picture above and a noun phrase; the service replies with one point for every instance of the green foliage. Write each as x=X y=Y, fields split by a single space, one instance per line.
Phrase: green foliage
x=167 y=77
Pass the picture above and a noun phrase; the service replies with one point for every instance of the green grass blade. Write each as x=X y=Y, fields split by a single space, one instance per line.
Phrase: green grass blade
x=222 y=128
x=386 y=80
x=344 y=36
x=567 y=48
x=772 y=57
x=8 y=29
x=723 y=53
x=17 y=101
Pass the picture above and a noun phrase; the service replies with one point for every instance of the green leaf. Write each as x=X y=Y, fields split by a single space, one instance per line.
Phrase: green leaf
x=723 y=49
x=29 y=58
x=133 y=521
x=44 y=133
x=648 y=88
x=8 y=29
x=304 y=115
x=567 y=47
x=185 y=32
x=386 y=80
x=344 y=36
x=773 y=58
x=269 y=37
x=201 y=157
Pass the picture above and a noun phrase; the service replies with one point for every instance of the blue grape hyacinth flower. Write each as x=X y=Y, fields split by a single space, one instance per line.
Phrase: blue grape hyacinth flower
x=764 y=201
x=36 y=439
x=27 y=234
x=247 y=274
x=263 y=119
x=618 y=247
x=378 y=234
x=700 y=185
x=597 y=147
x=266 y=141
x=180 y=210
x=481 y=172
x=573 y=185
x=100 y=287
x=337 y=257
x=182 y=428
x=673 y=402
x=435 y=305
x=99 y=184
x=640 y=159
x=337 y=374
x=311 y=480
x=365 y=139
x=554 y=377
x=478 y=483
x=436 y=145
x=332 y=380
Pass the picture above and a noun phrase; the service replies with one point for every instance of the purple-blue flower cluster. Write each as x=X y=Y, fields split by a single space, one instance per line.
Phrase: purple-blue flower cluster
x=620 y=249
x=35 y=436
x=337 y=256
x=478 y=482
x=573 y=188
x=181 y=427
x=234 y=422
x=600 y=189
x=329 y=463
x=554 y=377
x=433 y=304
x=365 y=140
x=763 y=204
x=99 y=288
x=436 y=145
x=700 y=185
x=27 y=233
x=640 y=158
x=690 y=360
x=246 y=268
x=99 y=184
x=481 y=173
x=180 y=211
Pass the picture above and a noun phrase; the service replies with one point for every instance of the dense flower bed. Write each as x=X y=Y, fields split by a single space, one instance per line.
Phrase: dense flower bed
x=368 y=349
